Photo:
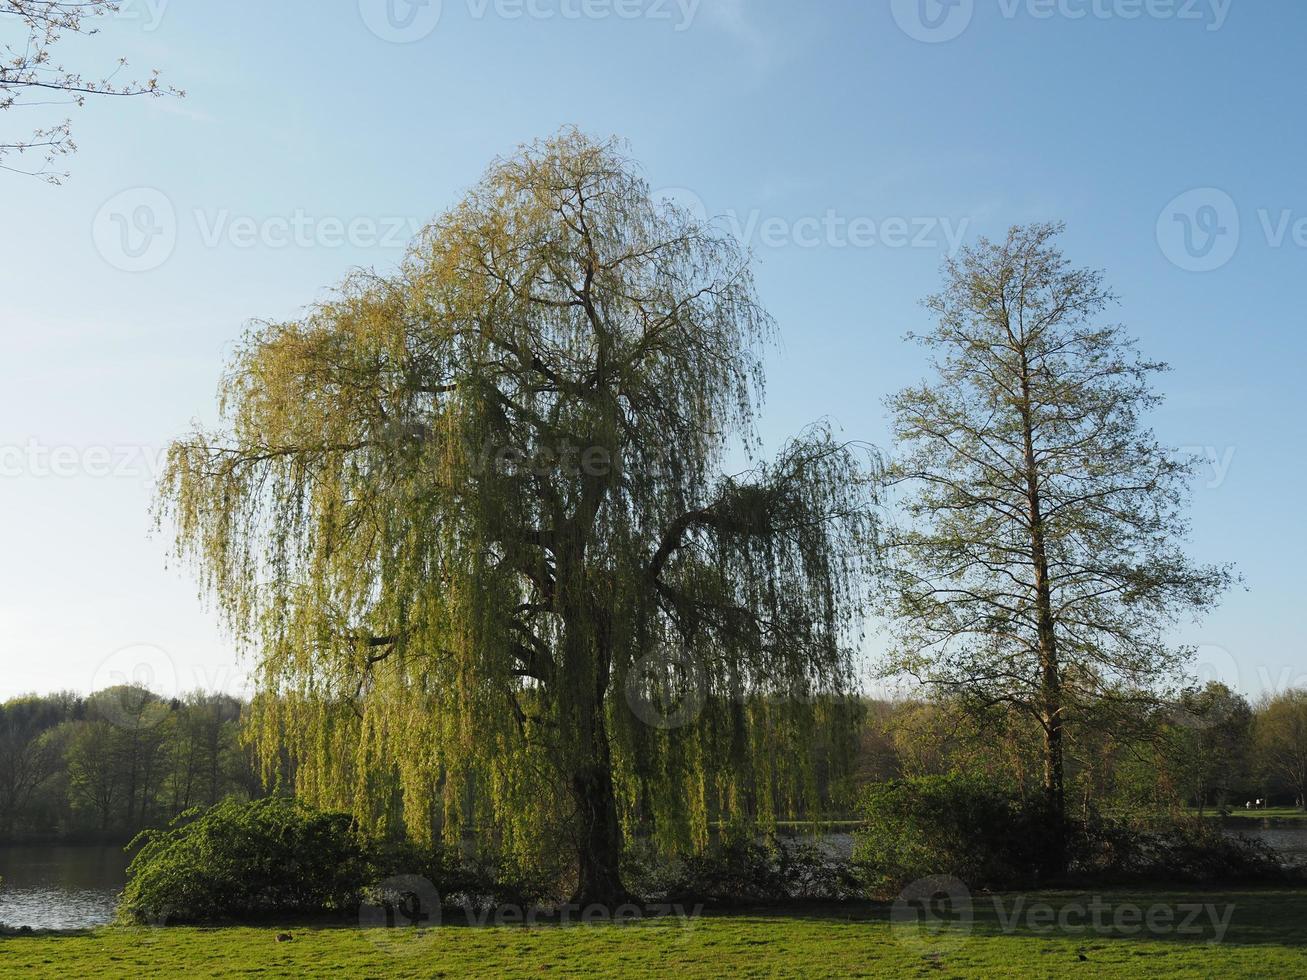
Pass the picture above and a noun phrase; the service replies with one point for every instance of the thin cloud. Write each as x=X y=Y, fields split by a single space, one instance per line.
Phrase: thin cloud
x=176 y=107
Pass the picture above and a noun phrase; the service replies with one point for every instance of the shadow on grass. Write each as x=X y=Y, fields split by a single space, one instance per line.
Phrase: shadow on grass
x=1245 y=916
x=1272 y=916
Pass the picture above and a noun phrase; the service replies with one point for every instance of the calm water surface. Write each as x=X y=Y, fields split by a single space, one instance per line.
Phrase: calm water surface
x=1287 y=837
x=60 y=887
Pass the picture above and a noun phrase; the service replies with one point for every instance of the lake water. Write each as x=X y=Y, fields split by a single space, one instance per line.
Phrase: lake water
x=1287 y=837
x=59 y=887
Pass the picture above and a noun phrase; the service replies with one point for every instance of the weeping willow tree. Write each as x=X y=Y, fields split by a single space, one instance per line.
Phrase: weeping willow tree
x=472 y=519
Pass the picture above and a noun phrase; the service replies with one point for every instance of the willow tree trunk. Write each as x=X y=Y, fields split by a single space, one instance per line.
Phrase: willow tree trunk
x=588 y=766
x=599 y=837
x=590 y=782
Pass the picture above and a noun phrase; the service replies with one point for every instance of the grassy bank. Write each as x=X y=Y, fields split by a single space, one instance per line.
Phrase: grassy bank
x=1198 y=934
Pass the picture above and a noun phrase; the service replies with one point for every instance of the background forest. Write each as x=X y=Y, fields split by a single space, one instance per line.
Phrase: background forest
x=106 y=766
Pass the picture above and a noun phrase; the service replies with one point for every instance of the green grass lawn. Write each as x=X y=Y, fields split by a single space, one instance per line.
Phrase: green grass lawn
x=1201 y=934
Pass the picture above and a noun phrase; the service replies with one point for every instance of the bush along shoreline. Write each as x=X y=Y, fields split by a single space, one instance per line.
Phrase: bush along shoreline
x=280 y=859
x=965 y=828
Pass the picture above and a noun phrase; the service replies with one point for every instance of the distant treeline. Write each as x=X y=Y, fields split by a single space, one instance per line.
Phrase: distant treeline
x=1208 y=749
x=105 y=766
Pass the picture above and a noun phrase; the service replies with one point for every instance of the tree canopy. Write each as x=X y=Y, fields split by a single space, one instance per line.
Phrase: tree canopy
x=473 y=517
x=1041 y=565
x=1281 y=736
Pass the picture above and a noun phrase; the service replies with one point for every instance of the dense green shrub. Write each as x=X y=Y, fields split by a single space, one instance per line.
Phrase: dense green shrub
x=964 y=827
x=246 y=860
x=960 y=826
x=1190 y=850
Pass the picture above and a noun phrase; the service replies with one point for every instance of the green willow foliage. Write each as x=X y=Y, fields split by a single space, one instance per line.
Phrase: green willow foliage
x=472 y=513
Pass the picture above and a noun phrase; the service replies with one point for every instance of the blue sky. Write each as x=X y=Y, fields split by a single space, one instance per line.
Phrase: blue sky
x=850 y=143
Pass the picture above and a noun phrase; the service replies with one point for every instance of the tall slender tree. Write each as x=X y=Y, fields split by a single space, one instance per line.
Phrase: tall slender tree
x=1040 y=565
x=473 y=518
